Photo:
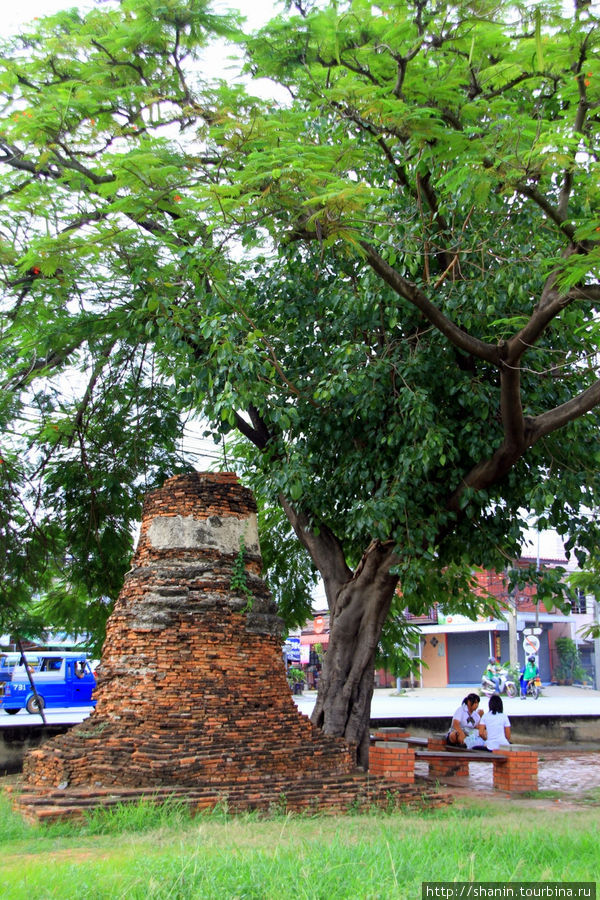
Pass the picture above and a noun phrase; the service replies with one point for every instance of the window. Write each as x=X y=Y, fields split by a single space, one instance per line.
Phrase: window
x=578 y=601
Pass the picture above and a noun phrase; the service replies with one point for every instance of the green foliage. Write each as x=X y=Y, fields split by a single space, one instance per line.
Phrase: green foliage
x=397 y=651
x=387 y=285
x=569 y=668
x=295 y=675
x=588 y=581
x=239 y=581
x=289 y=572
x=513 y=673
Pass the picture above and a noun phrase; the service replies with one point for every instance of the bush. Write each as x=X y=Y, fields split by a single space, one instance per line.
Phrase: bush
x=295 y=675
x=569 y=668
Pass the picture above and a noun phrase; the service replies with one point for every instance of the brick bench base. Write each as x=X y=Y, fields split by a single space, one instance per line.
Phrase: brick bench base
x=392 y=759
x=514 y=770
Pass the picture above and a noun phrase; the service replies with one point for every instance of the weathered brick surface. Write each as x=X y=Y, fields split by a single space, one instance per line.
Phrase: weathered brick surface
x=192 y=696
x=392 y=760
x=442 y=768
x=389 y=734
x=519 y=772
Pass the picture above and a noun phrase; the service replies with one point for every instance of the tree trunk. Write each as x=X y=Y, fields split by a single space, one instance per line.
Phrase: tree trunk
x=358 y=612
x=359 y=603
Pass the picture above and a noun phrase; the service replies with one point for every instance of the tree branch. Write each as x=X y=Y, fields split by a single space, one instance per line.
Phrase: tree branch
x=256 y=431
x=325 y=551
x=553 y=419
x=552 y=212
x=580 y=115
x=458 y=337
x=550 y=304
x=584 y=292
x=517 y=440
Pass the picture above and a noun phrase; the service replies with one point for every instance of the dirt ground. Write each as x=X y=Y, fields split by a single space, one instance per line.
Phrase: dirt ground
x=568 y=777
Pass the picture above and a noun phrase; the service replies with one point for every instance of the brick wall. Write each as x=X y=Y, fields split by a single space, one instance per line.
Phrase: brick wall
x=392 y=760
x=192 y=692
x=519 y=773
x=441 y=768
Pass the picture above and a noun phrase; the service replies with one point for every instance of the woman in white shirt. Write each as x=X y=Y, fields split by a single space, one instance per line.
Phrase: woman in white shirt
x=494 y=727
x=464 y=723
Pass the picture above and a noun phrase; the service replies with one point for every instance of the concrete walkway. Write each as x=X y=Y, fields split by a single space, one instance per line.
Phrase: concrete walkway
x=417 y=703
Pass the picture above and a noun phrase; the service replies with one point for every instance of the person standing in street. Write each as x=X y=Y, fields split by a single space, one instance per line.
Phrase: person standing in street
x=528 y=674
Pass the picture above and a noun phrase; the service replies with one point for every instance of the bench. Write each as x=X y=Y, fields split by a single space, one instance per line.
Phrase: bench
x=459 y=755
x=445 y=763
x=515 y=769
x=395 y=734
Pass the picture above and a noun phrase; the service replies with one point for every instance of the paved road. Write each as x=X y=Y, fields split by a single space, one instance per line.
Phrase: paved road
x=413 y=704
x=53 y=717
x=431 y=702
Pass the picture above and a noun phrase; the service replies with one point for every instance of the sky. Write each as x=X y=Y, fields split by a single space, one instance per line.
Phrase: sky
x=16 y=13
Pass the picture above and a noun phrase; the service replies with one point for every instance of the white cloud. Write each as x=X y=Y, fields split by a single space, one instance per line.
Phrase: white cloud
x=14 y=15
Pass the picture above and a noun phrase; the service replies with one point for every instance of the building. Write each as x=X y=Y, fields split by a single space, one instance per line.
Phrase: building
x=455 y=649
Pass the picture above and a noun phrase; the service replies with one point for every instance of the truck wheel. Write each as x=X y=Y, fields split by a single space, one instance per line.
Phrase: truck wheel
x=12 y=712
x=32 y=705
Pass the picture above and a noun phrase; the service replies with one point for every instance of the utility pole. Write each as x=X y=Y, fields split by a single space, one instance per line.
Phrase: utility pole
x=39 y=701
x=513 y=649
x=597 y=645
x=537 y=596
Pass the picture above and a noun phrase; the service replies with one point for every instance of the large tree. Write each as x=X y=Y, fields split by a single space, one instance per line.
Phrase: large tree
x=386 y=284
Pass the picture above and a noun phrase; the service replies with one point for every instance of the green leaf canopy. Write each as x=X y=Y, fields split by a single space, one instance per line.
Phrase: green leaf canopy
x=386 y=283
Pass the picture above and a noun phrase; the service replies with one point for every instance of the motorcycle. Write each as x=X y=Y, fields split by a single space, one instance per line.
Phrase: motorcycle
x=534 y=687
x=507 y=686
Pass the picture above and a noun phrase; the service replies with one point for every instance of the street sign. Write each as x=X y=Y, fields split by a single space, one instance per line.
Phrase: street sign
x=531 y=644
x=319 y=624
x=292 y=648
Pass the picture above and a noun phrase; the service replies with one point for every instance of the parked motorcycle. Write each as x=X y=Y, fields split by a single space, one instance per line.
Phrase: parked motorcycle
x=507 y=686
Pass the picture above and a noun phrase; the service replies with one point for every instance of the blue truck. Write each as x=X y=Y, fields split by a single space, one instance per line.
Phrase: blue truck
x=8 y=661
x=61 y=680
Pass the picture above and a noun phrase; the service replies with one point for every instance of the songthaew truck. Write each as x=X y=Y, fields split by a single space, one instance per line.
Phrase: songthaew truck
x=8 y=661
x=60 y=679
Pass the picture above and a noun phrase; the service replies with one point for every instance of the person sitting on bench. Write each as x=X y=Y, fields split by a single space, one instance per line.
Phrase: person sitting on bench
x=494 y=727
x=463 y=731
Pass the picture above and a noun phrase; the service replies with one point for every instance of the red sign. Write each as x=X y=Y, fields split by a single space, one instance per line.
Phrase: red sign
x=319 y=624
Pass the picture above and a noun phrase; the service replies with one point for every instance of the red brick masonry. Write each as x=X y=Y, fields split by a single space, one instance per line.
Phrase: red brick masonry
x=192 y=697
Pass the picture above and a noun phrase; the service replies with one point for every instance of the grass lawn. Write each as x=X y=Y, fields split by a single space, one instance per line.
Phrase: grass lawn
x=147 y=853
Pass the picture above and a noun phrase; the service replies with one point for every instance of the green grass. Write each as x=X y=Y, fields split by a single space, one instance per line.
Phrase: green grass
x=153 y=854
x=548 y=794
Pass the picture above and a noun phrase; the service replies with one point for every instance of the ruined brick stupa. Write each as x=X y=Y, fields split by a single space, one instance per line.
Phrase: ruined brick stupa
x=192 y=697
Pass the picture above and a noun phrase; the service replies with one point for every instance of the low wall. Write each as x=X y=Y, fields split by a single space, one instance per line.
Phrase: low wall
x=525 y=729
x=16 y=740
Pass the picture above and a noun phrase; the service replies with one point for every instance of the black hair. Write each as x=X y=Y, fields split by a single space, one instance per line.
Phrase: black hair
x=471 y=698
x=495 y=704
